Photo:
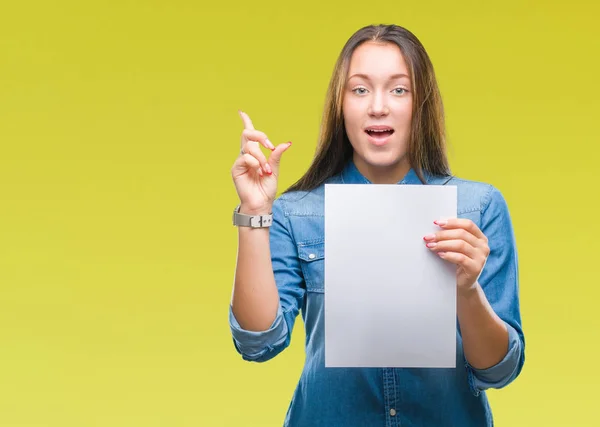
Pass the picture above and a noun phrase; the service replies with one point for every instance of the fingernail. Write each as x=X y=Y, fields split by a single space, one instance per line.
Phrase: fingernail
x=429 y=237
x=260 y=172
x=441 y=253
x=270 y=144
x=431 y=245
x=441 y=223
x=268 y=169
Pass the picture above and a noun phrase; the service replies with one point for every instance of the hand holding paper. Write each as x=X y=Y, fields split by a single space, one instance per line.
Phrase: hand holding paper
x=464 y=244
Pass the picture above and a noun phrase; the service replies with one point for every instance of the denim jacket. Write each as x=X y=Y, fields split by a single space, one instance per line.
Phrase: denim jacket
x=407 y=397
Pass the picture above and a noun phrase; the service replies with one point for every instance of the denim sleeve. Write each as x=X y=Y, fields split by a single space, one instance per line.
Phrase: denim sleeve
x=500 y=282
x=264 y=345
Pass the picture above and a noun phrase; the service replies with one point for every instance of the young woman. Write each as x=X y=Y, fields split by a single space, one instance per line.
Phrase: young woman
x=383 y=123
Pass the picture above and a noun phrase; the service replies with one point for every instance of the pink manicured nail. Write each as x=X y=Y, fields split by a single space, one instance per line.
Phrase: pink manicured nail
x=431 y=245
x=441 y=253
x=441 y=223
x=270 y=144
x=429 y=237
x=268 y=169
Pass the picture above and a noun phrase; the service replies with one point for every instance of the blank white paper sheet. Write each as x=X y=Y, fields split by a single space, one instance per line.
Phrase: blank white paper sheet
x=389 y=300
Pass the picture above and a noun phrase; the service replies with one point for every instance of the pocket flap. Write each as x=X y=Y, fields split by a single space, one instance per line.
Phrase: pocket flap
x=311 y=251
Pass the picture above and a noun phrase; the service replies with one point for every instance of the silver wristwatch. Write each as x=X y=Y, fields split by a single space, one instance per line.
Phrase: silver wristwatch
x=253 y=221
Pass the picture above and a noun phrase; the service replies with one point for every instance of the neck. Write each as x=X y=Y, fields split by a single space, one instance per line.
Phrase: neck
x=391 y=174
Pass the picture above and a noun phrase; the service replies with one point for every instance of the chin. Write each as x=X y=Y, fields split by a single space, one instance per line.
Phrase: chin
x=384 y=159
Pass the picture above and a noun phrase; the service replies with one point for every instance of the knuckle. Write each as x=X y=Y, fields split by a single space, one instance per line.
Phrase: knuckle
x=253 y=134
x=249 y=159
x=249 y=148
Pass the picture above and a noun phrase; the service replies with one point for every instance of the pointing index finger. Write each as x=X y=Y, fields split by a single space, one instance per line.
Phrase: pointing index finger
x=246 y=119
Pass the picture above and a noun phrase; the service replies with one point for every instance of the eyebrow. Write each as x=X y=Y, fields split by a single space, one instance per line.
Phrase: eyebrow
x=364 y=76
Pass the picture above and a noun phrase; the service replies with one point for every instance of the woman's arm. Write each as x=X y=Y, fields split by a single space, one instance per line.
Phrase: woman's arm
x=261 y=336
x=484 y=334
x=487 y=291
x=263 y=309
x=255 y=297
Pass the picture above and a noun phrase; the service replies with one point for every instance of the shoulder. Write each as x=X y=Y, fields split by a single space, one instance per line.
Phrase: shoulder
x=304 y=203
x=475 y=196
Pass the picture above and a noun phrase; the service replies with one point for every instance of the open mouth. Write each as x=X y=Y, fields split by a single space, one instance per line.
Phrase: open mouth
x=379 y=133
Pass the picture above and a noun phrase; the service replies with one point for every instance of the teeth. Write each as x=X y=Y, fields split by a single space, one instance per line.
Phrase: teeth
x=379 y=130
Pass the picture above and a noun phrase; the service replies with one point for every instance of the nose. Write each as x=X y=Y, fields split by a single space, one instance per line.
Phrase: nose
x=378 y=106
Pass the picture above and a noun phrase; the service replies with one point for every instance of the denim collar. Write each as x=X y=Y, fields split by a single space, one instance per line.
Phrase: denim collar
x=351 y=175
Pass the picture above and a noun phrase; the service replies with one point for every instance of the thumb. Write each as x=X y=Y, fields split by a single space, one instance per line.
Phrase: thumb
x=275 y=157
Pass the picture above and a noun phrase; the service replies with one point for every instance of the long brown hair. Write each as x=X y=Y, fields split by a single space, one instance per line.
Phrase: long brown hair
x=426 y=147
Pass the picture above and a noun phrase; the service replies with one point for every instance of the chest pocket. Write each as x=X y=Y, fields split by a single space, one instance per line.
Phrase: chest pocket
x=312 y=260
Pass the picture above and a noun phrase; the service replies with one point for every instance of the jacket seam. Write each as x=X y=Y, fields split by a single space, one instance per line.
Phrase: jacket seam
x=311 y=242
x=486 y=200
x=471 y=210
x=288 y=227
x=303 y=214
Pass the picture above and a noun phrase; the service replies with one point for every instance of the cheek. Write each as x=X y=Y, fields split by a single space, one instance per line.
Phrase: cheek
x=407 y=119
x=401 y=107
x=406 y=111
x=352 y=113
x=347 y=111
x=351 y=118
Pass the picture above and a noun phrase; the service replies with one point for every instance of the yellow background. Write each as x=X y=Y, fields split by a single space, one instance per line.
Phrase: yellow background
x=118 y=128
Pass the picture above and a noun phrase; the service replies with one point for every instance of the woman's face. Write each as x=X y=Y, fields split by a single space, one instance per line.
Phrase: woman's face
x=377 y=108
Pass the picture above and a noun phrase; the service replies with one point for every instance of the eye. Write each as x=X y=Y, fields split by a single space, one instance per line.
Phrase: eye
x=400 y=91
x=359 y=90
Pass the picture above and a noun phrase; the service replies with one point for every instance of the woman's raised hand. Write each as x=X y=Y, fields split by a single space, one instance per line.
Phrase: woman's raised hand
x=255 y=176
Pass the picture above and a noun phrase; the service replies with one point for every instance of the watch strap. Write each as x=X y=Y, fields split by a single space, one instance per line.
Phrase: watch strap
x=252 y=221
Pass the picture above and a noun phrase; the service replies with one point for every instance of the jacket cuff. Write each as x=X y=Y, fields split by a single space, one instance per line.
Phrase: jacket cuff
x=253 y=345
x=503 y=372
